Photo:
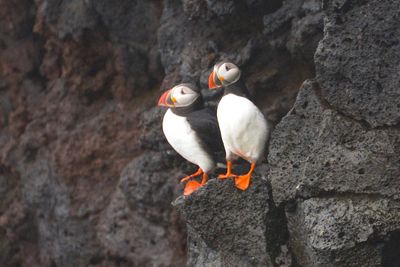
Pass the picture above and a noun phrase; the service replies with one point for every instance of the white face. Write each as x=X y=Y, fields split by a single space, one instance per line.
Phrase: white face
x=182 y=95
x=227 y=73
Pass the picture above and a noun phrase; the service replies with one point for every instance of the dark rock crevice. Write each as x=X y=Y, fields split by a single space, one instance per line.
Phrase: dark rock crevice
x=307 y=193
x=390 y=253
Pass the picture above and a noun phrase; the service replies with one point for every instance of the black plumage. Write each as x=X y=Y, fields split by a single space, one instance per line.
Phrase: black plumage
x=204 y=123
x=238 y=88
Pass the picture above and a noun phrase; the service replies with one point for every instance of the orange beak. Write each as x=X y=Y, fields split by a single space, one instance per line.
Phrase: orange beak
x=211 y=81
x=163 y=101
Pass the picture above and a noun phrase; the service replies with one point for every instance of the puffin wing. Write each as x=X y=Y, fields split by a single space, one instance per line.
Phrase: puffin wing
x=204 y=122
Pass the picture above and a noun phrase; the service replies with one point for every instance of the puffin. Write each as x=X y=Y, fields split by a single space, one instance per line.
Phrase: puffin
x=244 y=129
x=192 y=130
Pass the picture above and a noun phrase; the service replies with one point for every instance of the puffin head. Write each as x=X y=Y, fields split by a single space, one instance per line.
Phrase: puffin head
x=181 y=95
x=223 y=74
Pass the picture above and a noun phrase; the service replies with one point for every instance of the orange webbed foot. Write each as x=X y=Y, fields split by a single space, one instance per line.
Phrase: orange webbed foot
x=193 y=185
x=190 y=187
x=242 y=182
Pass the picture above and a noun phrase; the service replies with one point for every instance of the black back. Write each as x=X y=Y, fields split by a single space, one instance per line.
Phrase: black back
x=238 y=88
x=204 y=122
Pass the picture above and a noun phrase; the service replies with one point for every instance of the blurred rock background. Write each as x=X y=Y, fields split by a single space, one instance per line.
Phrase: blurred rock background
x=87 y=179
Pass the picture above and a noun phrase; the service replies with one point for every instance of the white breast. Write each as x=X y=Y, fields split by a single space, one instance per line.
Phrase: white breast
x=244 y=129
x=184 y=140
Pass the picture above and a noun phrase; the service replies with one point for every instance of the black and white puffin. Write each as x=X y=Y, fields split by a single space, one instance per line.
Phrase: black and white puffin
x=244 y=130
x=191 y=130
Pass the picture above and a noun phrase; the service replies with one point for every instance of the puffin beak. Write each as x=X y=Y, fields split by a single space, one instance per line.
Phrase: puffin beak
x=165 y=99
x=211 y=81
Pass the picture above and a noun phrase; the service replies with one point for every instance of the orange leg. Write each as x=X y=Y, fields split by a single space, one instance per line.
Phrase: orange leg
x=204 y=179
x=193 y=185
x=229 y=173
x=198 y=172
x=242 y=182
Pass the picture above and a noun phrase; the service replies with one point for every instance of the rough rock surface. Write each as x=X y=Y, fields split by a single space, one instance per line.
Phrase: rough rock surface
x=315 y=150
x=339 y=181
x=354 y=230
x=357 y=61
x=334 y=158
x=244 y=234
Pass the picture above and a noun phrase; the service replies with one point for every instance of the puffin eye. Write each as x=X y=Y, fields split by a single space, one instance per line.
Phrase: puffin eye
x=183 y=92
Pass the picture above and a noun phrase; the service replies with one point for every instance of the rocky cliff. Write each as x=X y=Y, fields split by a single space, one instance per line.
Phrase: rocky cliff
x=87 y=178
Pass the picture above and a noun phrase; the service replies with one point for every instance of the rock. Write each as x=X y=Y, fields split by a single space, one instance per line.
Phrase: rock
x=306 y=32
x=316 y=151
x=139 y=20
x=357 y=60
x=148 y=184
x=63 y=239
x=140 y=208
x=228 y=227
x=16 y=19
x=344 y=231
x=334 y=157
x=17 y=233
x=121 y=229
x=69 y=17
